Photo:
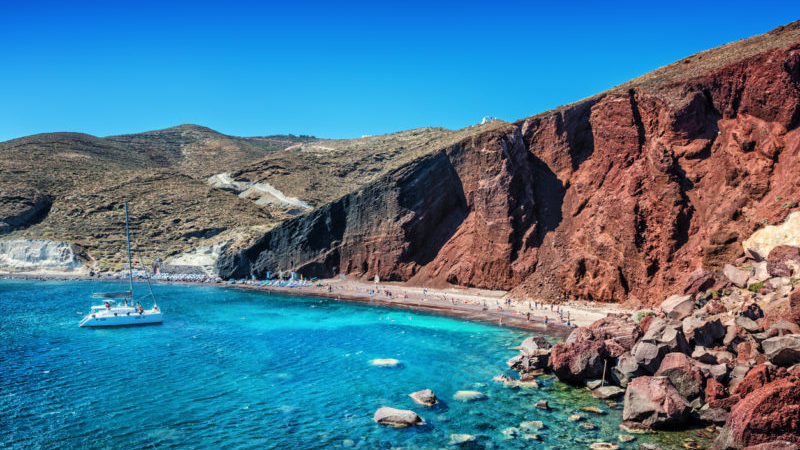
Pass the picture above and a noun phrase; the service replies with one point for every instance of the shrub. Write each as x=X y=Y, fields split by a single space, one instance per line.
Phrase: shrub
x=639 y=315
x=756 y=287
x=713 y=293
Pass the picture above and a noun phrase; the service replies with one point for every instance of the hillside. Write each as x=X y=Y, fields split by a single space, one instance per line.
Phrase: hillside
x=617 y=197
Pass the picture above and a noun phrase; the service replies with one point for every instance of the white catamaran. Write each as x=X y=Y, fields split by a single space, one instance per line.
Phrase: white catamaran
x=118 y=308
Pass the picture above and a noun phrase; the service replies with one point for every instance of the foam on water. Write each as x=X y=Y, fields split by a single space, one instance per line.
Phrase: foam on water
x=241 y=369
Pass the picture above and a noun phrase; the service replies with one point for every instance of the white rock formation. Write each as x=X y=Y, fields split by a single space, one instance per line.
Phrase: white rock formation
x=38 y=256
x=769 y=237
x=204 y=257
x=261 y=193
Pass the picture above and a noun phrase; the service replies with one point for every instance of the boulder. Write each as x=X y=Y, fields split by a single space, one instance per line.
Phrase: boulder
x=533 y=344
x=683 y=373
x=794 y=307
x=782 y=350
x=781 y=328
x=710 y=356
x=468 y=396
x=737 y=276
x=574 y=362
x=784 y=261
x=425 y=397
x=677 y=307
x=396 y=417
x=746 y=323
x=608 y=392
x=703 y=330
x=714 y=415
x=714 y=390
x=652 y=403
x=699 y=281
x=752 y=311
x=617 y=328
x=770 y=413
x=648 y=355
x=760 y=273
x=758 y=377
x=714 y=307
x=626 y=369
x=669 y=333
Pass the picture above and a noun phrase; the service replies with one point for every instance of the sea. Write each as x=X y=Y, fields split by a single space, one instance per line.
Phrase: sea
x=232 y=368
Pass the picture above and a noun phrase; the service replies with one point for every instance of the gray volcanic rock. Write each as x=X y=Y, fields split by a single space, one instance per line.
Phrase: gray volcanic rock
x=648 y=355
x=683 y=373
x=677 y=307
x=653 y=402
x=532 y=344
x=396 y=417
x=608 y=392
x=782 y=350
x=702 y=330
x=627 y=368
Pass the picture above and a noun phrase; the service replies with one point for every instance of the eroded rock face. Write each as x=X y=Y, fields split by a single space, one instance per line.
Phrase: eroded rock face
x=22 y=207
x=770 y=413
x=613 y=197
x=653 y=402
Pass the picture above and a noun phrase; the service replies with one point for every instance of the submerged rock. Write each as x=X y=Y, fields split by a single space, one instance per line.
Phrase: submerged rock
x=461 y=439
x=385 y=362
x=396 y=417
x=468 y=396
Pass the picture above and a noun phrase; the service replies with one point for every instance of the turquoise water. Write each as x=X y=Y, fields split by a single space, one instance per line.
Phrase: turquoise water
x=241 y=369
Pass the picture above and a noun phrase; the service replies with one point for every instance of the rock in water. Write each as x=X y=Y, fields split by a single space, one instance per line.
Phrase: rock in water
x=542 y=404
x=425 y=397
x=608 y=392
x=396 y=417
x=652 y=403
x=770 y=413
x=468 y=396
x=574 y=362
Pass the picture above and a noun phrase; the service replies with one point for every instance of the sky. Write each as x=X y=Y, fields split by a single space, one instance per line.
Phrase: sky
x=337 y=69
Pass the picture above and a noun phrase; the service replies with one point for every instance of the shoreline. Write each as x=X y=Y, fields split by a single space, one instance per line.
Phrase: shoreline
x=471 y=304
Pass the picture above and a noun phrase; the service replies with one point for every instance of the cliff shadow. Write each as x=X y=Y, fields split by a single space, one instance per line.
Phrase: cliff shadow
x=434 y=195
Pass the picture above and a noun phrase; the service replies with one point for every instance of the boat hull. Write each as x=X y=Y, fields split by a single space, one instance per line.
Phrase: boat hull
x=110 y=320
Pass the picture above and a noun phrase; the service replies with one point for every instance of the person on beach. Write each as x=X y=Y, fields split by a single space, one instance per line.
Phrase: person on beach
x=528 y=316
x=545 y=319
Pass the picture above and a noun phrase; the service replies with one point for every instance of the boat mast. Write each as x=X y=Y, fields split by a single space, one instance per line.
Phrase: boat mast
x=128 y=235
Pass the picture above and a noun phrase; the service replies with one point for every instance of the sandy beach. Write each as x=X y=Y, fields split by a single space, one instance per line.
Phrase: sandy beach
x=474 y=304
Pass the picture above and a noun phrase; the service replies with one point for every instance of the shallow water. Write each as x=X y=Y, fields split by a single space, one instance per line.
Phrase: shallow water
x=242 y=369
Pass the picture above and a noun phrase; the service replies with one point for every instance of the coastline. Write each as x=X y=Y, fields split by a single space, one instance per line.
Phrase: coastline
x=460 y=302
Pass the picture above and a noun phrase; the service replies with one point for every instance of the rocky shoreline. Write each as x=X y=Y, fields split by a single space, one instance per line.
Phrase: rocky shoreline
x=724 y=352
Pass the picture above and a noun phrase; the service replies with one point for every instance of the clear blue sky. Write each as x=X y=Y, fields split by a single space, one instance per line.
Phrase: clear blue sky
x=337 y=69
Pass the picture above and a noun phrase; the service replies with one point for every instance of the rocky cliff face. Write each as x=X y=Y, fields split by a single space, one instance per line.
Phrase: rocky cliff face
x=621 y=195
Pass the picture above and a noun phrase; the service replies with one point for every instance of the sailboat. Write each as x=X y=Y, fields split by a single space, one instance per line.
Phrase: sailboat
x=117 y=308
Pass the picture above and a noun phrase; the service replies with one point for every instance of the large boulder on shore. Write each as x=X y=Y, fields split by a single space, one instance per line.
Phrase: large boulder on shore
x=396 y=417
x=703 y=330
x=531 y=345
x=782 y=350
x=627 y=368
x=770 y=413
x=653 y=403
x=683 y=373
x=677 y=307
x=669 y=333
x=574 y=362
x=648 y=355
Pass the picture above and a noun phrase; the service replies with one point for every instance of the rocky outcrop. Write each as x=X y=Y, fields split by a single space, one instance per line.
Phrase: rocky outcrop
x=38 y=255
x=784 y=261
x=574 y=362
x=770 y=413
